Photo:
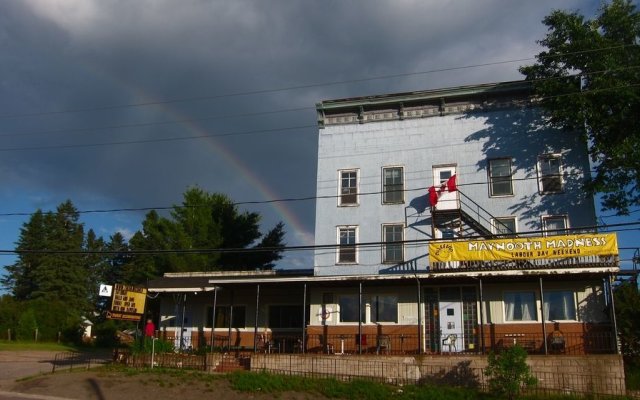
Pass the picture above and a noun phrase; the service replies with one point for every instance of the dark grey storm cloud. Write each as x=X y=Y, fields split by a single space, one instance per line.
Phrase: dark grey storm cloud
x=63 y=55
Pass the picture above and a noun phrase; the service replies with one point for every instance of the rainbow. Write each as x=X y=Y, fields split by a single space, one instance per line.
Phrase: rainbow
x=288 y=217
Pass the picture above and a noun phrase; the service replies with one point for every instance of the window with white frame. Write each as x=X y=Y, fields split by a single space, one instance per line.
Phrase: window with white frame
x=559 y=305
x=392 y=185
x=347 y=236
x=550 y=173
x=500 y=177
x=348 y=187
x=392 y=250
x=520 y=306
x=348 y=308
x=384 y=308
x=504 y=225
x=554 y=224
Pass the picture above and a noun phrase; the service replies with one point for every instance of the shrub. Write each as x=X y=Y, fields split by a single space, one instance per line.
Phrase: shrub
x=509 y=373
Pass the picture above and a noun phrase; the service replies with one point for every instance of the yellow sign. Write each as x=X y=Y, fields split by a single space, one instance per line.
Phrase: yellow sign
x=565 y=246
x=128 y=302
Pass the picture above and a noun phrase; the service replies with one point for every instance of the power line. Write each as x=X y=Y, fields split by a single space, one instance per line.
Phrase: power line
x=257 y=202
x=251 y=132
x=271 y=201
x=157 y=140
x=241 y=115
x=297 y=87
x=156 y=123
x=362 y=245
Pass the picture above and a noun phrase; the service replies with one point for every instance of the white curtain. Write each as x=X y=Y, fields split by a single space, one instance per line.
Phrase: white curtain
x=520 y=306
x=559 y=305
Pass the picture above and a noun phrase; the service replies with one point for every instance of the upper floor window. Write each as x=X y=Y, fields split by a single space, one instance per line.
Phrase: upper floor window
x=554 y=224
x=500 y=177
x=559 y=305
x=348 y=187
x=392 y=185
x=504 y=225
x=550 y=173
x=392 y=251
x=347 y=245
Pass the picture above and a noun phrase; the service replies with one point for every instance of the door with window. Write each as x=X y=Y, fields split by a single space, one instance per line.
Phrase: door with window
x=447 y=200
x=452 y=332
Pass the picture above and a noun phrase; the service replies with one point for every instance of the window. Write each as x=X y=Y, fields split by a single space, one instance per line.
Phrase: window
x=520 y=306
x=550 y=173
x=504 y=226
x=347 y=245
x=500 y=177
x=559 y=305
x=554 y=225
x=222 y=316
x=287 y=316
x=348 y=305
x=384 y=309
x=392 y=252
x=392 y=185
x=348 y=188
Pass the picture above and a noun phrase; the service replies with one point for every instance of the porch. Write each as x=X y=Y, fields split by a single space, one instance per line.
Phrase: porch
x=570 y=339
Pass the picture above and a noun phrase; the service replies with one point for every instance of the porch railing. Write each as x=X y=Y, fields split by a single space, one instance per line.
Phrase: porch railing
x=597 y=341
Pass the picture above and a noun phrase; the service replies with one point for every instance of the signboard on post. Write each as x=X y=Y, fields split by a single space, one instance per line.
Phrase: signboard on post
x=127 y=303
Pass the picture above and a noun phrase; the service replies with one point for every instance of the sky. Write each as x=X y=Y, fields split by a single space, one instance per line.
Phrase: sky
x=125 y=104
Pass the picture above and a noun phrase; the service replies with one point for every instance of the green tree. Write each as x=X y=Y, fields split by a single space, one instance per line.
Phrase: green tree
x=203 y=221
x=508 y=372
x=50 y=263
x=588 y=78
x=627 y=305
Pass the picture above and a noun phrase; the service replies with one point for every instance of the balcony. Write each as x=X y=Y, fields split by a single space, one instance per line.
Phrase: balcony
x=584 y=262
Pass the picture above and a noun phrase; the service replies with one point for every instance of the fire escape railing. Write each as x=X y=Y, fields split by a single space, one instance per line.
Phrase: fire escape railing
x=479 y=218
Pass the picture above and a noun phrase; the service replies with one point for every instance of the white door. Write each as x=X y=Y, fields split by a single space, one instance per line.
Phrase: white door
x=451 y=339
x=446 y=200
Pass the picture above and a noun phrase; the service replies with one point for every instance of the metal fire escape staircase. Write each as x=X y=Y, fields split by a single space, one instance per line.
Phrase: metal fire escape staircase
x=461 y=217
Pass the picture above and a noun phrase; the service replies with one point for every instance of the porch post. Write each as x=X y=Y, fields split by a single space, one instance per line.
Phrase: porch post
x=544 y=317
x=230 y=321
x=184 y=308
x=359 y=317
x=614 y=321
x=255 y=327
x=482 y=347
x=304 y=319
x=213 y=317
x=419 y=317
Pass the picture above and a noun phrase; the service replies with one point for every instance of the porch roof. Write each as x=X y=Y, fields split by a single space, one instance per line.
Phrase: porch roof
x=204 y=282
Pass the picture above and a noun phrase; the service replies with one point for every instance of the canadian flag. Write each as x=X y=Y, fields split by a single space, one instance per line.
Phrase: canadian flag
x=435 y=193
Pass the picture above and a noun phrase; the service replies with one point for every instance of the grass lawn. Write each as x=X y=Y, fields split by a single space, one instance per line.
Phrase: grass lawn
x=33 y=346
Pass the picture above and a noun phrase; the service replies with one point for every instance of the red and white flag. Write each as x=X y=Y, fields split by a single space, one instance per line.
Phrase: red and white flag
x=448 y=186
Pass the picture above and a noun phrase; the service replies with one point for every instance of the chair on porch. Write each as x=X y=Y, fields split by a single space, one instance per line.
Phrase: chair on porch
x=557 y=342
x=450 y=340
x=384 y=344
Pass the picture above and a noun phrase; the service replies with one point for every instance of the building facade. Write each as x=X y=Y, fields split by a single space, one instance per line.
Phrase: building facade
x=450 y=221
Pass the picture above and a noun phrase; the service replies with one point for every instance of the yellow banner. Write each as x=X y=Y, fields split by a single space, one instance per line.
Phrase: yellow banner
x=128 y=302
x=565 y=246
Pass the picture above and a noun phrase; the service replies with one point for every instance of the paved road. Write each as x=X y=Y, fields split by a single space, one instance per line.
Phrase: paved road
x=20 y=364
x=23 y=396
